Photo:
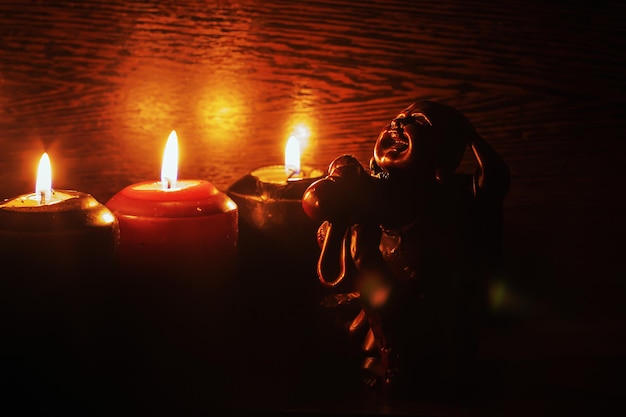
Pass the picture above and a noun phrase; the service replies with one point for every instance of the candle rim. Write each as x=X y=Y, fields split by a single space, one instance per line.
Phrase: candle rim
x=76 y=200
x=306 y=173
x=200 y=200
x=72 y=214
x=251 y=187
x=158 y=186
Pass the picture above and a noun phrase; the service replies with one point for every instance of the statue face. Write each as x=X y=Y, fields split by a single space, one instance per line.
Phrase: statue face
x=407 y=143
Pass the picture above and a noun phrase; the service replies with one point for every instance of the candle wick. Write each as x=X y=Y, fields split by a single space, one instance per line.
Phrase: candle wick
x=168 y=183
x=294 y=175
x=42 y=199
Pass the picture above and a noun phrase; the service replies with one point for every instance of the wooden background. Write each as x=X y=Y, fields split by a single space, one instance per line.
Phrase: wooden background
x=100 y=84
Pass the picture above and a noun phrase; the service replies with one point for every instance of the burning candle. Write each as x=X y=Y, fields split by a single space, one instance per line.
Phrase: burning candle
x=278 y=248
x=181 y=228
x=177 y=256
x=289 y=173
x=62 y=233
x=270 y=202
x=57 y=251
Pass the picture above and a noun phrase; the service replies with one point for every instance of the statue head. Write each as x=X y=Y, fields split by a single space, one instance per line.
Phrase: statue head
x=425 y=141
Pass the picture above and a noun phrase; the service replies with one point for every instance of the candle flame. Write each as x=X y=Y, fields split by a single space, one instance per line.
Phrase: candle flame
x=302 y=132
x=292 y=156
x=169 y=169
x=43 y=187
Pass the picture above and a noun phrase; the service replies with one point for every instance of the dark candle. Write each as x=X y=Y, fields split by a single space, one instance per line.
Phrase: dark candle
x=278 y=252
x=57 y=249
x=63 y=234
x=270 y=199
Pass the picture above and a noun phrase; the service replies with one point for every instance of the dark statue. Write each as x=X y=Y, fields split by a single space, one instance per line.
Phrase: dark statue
x=409 y=246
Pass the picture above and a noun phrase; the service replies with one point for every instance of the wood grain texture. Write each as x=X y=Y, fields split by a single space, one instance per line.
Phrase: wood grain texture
x=99 y=86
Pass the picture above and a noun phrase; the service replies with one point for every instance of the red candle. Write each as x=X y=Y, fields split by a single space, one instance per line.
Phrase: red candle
x=180 y=228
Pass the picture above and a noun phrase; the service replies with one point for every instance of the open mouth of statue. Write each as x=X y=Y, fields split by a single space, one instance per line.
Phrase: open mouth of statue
x=397 y=141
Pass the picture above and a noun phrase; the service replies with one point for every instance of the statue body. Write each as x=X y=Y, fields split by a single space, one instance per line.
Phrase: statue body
x=416 y=243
